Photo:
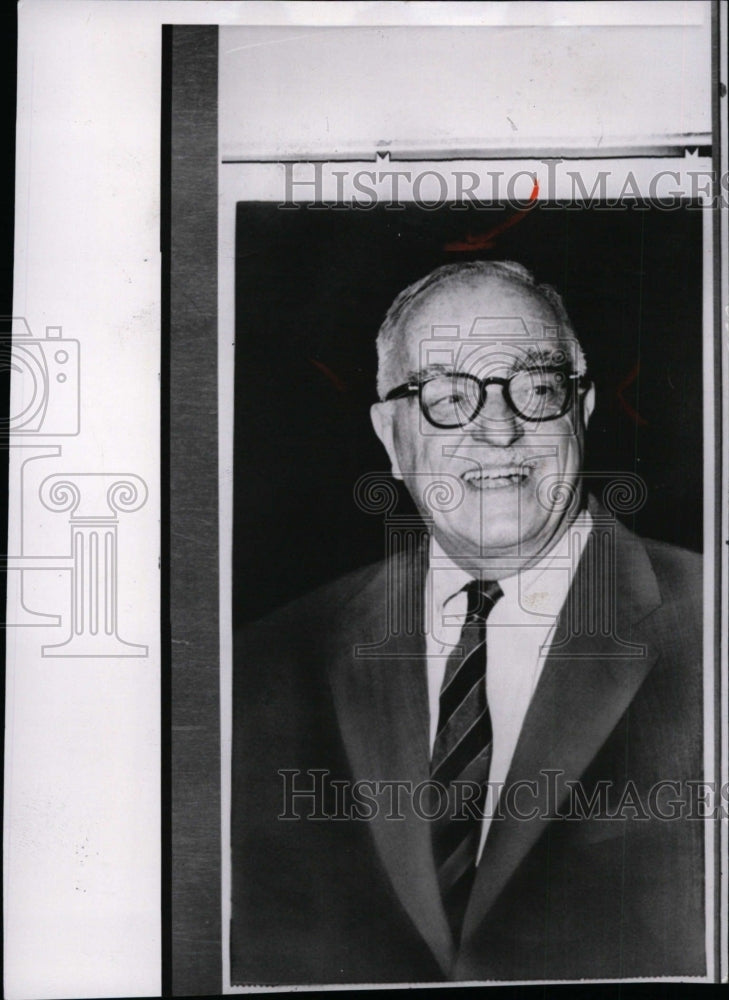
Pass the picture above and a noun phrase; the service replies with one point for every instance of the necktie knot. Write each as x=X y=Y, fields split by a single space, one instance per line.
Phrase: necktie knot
x=482 y=596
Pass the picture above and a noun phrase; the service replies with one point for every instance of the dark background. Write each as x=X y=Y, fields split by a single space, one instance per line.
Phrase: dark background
x=312 y=287
x=8 y=66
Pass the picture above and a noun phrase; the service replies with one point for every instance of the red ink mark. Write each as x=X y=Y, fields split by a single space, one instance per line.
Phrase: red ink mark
x=338 y=384
x=628 y=381
x=485 y=241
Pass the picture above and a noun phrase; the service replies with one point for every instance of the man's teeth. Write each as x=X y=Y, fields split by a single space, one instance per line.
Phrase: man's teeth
x=507 y=475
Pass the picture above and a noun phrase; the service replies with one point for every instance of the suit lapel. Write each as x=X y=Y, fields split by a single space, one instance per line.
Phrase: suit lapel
x=592 y=673
x=379 y=684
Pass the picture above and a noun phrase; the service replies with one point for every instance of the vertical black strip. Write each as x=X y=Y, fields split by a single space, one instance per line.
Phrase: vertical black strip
x=192 y=492
x=7 y=232
x=716 y=144
x=166 y=666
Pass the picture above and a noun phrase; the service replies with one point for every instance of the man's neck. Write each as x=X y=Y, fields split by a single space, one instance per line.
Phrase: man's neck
x=501 y=565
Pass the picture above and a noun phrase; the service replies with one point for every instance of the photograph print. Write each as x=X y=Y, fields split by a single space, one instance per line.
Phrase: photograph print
x=468 y=731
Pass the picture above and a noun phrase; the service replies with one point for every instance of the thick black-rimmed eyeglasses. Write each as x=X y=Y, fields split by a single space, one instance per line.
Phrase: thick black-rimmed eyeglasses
x=450 y=400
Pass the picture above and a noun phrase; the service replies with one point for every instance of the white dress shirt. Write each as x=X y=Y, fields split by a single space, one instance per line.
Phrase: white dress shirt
x=519 y=632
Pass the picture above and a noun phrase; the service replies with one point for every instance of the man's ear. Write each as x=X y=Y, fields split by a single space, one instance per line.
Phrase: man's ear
x=381 y=417
x=588 y=405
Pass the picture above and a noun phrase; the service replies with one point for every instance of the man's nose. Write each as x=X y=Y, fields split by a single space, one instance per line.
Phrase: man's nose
x=496 y=423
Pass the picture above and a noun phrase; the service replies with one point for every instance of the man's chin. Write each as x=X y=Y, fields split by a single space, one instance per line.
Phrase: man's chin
x=496 y=538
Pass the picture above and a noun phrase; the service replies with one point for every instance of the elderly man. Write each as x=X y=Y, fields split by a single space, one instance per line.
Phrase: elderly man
x=474 y=760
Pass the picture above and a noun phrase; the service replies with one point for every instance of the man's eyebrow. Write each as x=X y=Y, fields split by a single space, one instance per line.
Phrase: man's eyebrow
x=419 y=374
x=542 y=357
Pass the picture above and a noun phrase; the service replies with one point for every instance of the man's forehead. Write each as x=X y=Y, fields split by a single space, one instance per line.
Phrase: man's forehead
x=489 y=324
x=489 y=309
x=492 y=329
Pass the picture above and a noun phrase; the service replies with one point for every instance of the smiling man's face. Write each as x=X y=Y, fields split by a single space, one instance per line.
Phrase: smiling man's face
x=509 y=476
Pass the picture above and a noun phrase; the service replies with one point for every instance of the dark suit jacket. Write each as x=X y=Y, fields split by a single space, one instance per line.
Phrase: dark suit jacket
x=336 y=683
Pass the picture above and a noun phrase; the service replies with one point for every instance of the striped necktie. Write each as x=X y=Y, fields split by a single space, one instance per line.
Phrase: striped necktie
x=462 y=755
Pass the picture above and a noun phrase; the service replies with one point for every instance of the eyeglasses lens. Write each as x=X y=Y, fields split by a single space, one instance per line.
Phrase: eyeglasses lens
x=454 y=400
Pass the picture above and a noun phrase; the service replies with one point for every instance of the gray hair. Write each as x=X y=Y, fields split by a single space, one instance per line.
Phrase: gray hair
x=391 y=332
